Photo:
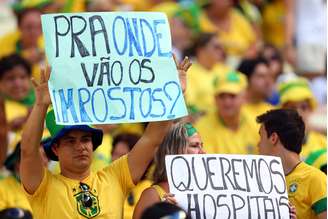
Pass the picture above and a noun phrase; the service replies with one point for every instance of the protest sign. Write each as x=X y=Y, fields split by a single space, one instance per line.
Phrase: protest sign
x=228 y=186
x=111 y=67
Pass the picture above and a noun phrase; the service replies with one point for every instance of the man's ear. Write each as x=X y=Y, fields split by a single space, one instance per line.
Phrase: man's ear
x=54 y=149
x=274 y=138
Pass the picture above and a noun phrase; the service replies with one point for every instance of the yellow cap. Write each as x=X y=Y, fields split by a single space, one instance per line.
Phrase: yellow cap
x=296 y=90
x=232 y=82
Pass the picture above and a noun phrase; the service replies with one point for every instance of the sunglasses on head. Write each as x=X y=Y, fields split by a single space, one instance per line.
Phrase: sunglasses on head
x=86 y=197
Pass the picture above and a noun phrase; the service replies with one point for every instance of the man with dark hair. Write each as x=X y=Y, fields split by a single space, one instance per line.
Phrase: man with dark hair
x=260 y=83
x=77 y=192
x=281 y=135
x=226 y=128
x=15 y=75
x=15 y=87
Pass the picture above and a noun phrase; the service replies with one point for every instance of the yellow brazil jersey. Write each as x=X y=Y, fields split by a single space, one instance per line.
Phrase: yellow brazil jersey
x=12 y=194
x=8 y=43
x=307 y=191
x=237 y=39
x=200 y=86
x=15 y=110
x=133 y=198
x=274 y=14
x=313 y=141
x=61 y=197
x=218 y=139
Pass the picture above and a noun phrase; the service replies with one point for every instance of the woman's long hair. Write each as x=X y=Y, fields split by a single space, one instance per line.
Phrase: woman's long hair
x=175 y=142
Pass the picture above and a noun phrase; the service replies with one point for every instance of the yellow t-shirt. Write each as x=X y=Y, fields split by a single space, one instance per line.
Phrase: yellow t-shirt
x=252 y=110
x=12 y=194
x=8 y=43
x=237 y=39
x=15 y=110
x=314 y=141
x=133 y=198
x=60 y=197
x=218 y=139
x=307 y=191
x=274 y=14
x=200 y=86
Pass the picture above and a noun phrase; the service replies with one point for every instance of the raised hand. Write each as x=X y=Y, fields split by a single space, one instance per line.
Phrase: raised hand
x=41 y=89
x=182 y=69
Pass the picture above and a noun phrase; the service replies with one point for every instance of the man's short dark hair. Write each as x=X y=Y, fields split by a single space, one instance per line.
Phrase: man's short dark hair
x=247 y=66
x=9 y=62
x=288 y=125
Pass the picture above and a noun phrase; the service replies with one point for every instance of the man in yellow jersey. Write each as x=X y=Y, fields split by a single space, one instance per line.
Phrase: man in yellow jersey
x=260 y=83
x=227 y=130
x=15 y=87
x=77 y=192
x=282 y=134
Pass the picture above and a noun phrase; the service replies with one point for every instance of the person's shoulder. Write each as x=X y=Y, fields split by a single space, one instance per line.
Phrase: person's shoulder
x=208 y=120
x=317 y=135
x=311 y=172
x=8 y=43
x=7 y=181
x=150 y=193
x=10 y=37
x=119 y=165
x=238 y=17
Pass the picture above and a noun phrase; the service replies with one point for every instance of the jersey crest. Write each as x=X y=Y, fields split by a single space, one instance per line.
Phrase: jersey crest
x=293 y=188
x=87 y=212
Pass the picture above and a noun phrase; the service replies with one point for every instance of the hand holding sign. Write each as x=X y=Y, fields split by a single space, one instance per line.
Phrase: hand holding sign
x=113 y=67
x=41 y=89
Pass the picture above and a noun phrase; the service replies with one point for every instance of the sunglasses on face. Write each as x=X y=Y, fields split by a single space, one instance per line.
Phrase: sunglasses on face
x=86 y=197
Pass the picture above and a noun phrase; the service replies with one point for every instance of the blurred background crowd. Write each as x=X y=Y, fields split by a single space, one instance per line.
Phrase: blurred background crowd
x=248 y=56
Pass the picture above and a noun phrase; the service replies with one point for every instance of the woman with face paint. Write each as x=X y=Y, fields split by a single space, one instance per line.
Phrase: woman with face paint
x=181 y=139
